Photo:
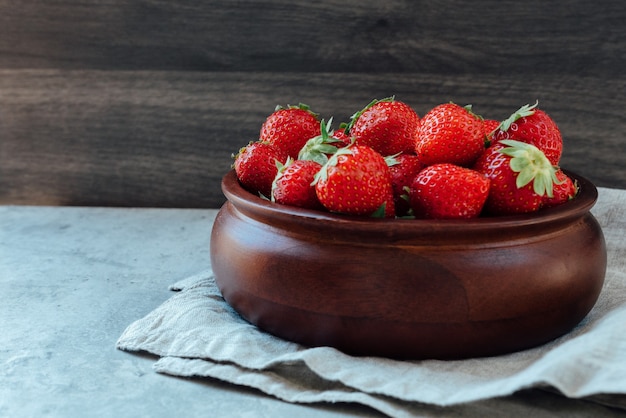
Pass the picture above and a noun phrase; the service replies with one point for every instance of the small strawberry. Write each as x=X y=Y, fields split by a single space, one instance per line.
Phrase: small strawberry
x=255 y=166
x=520 y=175
x=289 y=128
x=448 y=191
x=489 y=128
x=564 y=192
x=450 y=133
x=533 y=126
x=356 y=181
x=403 y=169
x=387 y=125
x=341 y=136
x=292 y=185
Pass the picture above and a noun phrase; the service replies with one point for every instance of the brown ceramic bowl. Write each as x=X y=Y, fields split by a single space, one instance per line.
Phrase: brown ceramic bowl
x=410 y=289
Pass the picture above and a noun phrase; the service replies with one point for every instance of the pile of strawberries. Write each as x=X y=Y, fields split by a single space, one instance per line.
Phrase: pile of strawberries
x=388 y=162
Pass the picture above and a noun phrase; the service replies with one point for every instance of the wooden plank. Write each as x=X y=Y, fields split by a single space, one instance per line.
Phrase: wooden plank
x=575 y=37
x=164 y=139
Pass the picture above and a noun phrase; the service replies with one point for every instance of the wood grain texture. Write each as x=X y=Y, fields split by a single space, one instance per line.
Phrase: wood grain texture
x=447 y=36
x=142 y=103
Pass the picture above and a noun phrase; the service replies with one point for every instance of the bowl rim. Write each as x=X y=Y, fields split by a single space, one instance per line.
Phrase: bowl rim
x=270 y=212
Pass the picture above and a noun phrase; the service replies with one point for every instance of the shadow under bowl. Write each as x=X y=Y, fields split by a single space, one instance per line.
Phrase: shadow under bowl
x=409 y=289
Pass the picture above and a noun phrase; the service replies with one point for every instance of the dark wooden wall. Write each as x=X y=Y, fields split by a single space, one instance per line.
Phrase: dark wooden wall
x=142 y=103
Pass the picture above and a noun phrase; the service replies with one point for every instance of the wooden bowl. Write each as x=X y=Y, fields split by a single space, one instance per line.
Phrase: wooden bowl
x=409 y=289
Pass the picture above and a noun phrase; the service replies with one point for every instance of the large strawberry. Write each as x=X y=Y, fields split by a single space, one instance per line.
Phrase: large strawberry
x=533 y=126
x=448 y=191
x=403 y=169
x=449 y=133
x=255 y=166
x=293 y=184
x=356 y=181
x=521 y=175
x=289 y=128
x=387 y=125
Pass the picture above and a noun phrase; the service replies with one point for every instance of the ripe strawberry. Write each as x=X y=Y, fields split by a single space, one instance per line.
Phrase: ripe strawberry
x=292 y=185
x=563 y=192
x=356 y=181
x=520 y=176
x=450 y=133
x=489 y=128
x=388 y=126
x=403 y=169
x=255 y=166
x=533 y=126
x=448 y=191
x=342 y=137
x=289 y=128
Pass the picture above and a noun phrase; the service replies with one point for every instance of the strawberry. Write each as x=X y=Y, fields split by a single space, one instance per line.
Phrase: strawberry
x=520 y=175
x=289 y=128
x=255 y=166
x=448 y=191
x=342 y=137
x=356 y=181
x=489 y=128
x=403 y=169
x=533 y=126
x=387 y=125
x=564 y=192
x=450 y=133
x=292 y=185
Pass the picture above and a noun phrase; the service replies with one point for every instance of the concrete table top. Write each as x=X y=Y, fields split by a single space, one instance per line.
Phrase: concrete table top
x=72 y=279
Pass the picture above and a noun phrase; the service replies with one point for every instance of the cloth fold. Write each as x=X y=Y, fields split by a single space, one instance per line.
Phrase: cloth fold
x=196 y=333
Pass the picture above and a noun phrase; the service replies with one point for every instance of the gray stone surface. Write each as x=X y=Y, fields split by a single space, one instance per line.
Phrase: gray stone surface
x=72 y=279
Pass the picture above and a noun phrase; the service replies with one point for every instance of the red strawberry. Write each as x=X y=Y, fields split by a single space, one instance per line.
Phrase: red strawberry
x=388 y=126
x=448 y=191
x=533 y=126
x=341 y=136
x=563 y=192
x=292 y=185
x=289 y=128
x=255 y=166
x=520 y=176
x=403 y=169
x=356 y=181
x=489 y=128
x=450 y=133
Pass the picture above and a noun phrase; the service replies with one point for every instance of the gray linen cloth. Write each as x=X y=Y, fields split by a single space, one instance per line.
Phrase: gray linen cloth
x=196 y=333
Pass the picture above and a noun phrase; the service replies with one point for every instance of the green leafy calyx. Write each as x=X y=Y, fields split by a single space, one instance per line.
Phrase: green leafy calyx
x=281 y=169
x=322 y=174
x=522 y=112
x=532 y=165
x=319 y=147
x=300 y=106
